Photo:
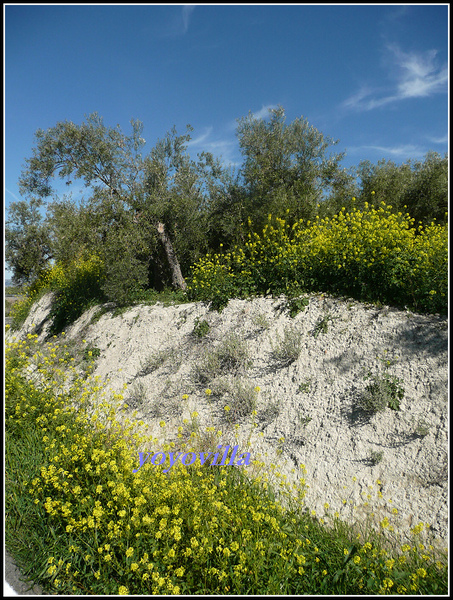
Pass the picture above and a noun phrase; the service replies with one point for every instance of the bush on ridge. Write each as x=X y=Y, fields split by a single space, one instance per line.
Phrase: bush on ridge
x=370 y=255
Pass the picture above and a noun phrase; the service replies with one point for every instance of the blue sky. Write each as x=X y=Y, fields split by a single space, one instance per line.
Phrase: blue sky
x=372 y=76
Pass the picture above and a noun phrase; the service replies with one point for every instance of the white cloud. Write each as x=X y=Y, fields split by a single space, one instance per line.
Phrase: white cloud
x=13 y=195
x=403 y=151
x=364 y=100
x=420 y=76
x=187 y=10
x=178 y=22
x=263 y=113
x=225 y=148
x=408 y=150
x=438 y=140
x=417 y=75
x=201 y=138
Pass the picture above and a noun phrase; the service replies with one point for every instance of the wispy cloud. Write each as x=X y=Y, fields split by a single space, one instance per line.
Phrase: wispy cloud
x=202 y=138
x=420 y=74
x=225 y=148
x=402 y=151
x=438 y=140
x=178 y=23
x=225 y=145
x=263 y=113
x=417 y=75
x=187 y=10
x=13 y=195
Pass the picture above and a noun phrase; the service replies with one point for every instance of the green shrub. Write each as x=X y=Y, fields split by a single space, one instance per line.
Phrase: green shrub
x=383 y=392
x=296 y=305
x=201 y=328
x=76 y=287
x=91 y=352
x=370 y=255
x=376 y=457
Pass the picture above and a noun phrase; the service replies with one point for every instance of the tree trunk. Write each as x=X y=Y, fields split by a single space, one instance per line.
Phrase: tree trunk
x=176 y=275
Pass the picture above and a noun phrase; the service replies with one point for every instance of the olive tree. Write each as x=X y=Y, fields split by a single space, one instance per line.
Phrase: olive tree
x=28 y=244
x=141 y=208
x=288 y=168
x=417 y=187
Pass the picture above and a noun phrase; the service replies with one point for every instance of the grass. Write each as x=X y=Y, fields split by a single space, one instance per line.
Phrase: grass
x=231 y=356
x=322 y=325
x=305 y=386
x=137 y=396
x=78 y=521
x=287 y=348
x=240 y=398
x=156 y=359
x=422 y=428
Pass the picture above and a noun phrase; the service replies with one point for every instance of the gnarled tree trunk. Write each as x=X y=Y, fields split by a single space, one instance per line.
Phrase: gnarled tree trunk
x=176 y=275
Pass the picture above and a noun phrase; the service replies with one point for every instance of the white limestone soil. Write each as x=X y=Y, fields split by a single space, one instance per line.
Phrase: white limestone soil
x=308 y=415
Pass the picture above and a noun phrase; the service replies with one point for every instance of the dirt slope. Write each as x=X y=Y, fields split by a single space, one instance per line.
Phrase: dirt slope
x=309 y=410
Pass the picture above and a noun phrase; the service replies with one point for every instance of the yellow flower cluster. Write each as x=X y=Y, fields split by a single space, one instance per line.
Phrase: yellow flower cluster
x=370 y=254
x=191 y=530
x=75 y=284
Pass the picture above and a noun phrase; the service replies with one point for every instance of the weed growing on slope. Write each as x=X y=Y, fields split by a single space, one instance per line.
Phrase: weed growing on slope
x=287 y=349
x=296 y=305
x=376 y=457
x=240 y=397
x=231 y=356
x=383 y=391
x=321 y=325
x=201 y=328
x=158 y=358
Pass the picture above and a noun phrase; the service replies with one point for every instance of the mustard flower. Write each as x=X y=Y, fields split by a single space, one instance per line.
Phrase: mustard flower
x=421 y=572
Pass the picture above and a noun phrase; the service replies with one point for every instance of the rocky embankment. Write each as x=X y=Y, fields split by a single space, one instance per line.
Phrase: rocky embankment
x=313 y=372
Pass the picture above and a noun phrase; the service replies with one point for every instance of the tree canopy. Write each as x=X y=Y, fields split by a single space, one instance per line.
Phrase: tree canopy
x=149 y=218
x=146 y=210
